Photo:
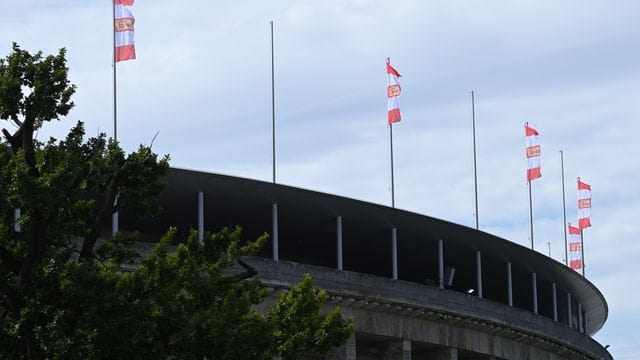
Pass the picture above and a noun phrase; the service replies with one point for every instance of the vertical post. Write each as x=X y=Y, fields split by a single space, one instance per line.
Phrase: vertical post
x=530 y=215
x=564 y=212
x=115 y=102
x=582 y=251
x=114 y=217
x=440 y=264
x=393 y=197
x=555 y=302
x=394 y=252
x=16 y=220
x=479 y=273
x=534 y=281
x=549 y=246
x=200 y=216
x=274 y=213
x=273 y=109
x=509 y=285
x=580 y=329
x=339 y=233
x=569 y=316
x=475 y=168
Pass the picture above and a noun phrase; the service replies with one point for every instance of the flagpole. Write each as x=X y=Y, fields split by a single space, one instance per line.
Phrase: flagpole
x=115 y=103
x=530 y=213
x=582 y=251
x=393 y=200
x=564 y=211
x=273 y=109
x=475 y=166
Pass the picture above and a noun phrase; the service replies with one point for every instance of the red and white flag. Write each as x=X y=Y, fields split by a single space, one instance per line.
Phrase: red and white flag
x=393 y=93
x=124 y=29
x=533 y=153
x=575 y=248
x=584 y=205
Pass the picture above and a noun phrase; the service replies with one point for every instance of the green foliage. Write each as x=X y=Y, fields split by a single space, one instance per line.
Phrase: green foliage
x=63 y=291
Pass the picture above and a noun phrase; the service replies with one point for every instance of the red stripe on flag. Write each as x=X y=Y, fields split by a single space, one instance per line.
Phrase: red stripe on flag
x=126 y=52
x=576 y=264
x=393 y=116
x=533 y=151
x=124 y=24
x=529 y=131
x=584 y=223
x=124 y=2
x=583 y=186
x=533 y=174
x=391 y=70
x=574 y=230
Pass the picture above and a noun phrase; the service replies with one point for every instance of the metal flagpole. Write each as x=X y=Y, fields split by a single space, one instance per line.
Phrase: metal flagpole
x=530 y=213
x=582 y=251
x=475 y=166
x=115 y=103
x=564 y=211
x=273 y=109
x=393 y=202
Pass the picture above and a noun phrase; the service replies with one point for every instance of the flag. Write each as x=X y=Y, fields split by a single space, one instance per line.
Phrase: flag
x=533 y=153
x=393 y=93
x=124 y=29
x=584 y=205
x=575 y=248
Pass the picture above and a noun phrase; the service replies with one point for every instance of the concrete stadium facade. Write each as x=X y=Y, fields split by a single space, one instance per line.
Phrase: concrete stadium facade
x=417 y=287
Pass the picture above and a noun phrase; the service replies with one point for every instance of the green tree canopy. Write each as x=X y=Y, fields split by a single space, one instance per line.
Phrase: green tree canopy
x=63 y=291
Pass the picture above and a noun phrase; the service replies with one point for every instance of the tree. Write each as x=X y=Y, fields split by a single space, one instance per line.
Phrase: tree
x=63 y=291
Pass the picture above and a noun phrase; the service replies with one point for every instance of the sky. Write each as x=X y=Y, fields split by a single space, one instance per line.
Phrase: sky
x=202 y=81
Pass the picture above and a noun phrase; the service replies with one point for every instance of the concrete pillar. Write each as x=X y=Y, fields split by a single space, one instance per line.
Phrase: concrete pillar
x=569 y=316
x=479 y=273
x=344 y=352
x=555 y=302
x=200 y=216
x=534 y=283
x=274 y=219
x=440 y=264
x=339 y=233
x=398 y=350
x=509 y=285
x=580 y=328
x=443 y=354
x=16 y=220
x=394 y=253
x=114 y=217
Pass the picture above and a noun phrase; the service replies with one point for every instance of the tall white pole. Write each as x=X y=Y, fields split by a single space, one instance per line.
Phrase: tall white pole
x=475 y=166
x=273 y=109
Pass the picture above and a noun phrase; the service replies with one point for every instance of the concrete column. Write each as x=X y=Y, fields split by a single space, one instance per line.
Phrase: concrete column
x=586 y=325
x=200 y=216
x=555 y=302
x=114 y=217
x=440 y=264
x=534 y=282
x=274 y=219
x=16 y=219
x=394 y=253
x=443 y=354
x=339 y=233
x=580 y=329
x=509 y=285
x=398 y=350
x=569 y=316
x=344 y=352
x=479 y=273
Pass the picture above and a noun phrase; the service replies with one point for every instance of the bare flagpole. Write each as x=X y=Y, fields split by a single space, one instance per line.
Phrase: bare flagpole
x=530 y=207
x=475 y=166
x=393 y=201
x=564 y=211
x=273 y=109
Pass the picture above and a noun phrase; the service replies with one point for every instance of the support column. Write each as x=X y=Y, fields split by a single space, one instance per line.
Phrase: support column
x=509 y=285
x=534 y=281
x=201 y=216
x=555 y=302
x=444 y=354
x=339 y=233
x=114 y=217
x=580 y=329
x=16 y=220
x=440 y=264
x=274 y=219
x=479 y=273
x=344 y=352
x=398 y=350
x=394 y=253
x=569 y=316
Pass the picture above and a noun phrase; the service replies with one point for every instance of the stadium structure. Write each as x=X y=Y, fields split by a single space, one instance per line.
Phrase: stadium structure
x=416 y=287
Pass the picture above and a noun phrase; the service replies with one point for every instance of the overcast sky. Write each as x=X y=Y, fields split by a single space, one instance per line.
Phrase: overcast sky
x=202 y=79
